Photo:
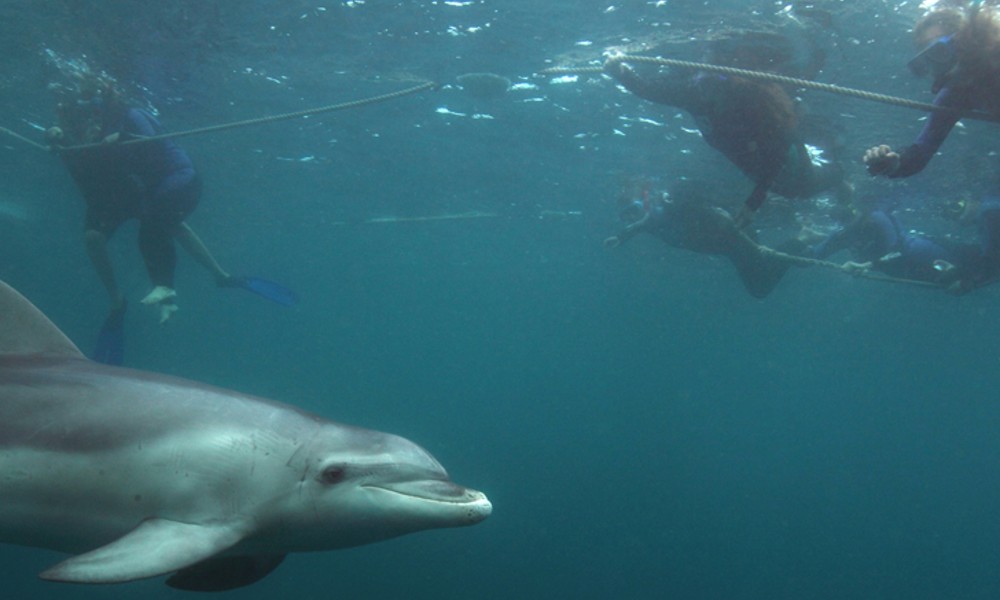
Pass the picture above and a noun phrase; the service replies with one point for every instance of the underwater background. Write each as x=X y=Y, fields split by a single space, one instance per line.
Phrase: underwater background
x=643 y=427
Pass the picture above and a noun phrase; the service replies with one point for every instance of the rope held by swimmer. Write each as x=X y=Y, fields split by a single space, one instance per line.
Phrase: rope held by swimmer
x=850 y=268
x=775 y=78
x=236 y=124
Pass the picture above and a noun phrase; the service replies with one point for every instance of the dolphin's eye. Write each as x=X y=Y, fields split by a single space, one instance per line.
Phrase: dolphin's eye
x=333 y=475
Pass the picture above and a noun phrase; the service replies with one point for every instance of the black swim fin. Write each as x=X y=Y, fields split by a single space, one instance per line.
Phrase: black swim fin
x=274 y=292
x=110 y=348
x=761 y=273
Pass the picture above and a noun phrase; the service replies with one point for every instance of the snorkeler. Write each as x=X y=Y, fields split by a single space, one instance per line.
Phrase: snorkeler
x=878 y=242
x=691 y=225
x=154 y=182
x=755 y=125
x=957 y=50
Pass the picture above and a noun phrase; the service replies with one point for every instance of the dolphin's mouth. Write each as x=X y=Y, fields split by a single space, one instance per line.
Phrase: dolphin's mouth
x=474 y=505
x=429 y=490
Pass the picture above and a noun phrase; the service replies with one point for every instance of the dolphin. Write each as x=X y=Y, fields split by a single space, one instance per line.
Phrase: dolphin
x=140 y=475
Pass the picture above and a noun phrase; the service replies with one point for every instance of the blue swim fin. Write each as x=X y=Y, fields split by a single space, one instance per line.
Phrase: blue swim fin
x=262 y=287
x=110 y=348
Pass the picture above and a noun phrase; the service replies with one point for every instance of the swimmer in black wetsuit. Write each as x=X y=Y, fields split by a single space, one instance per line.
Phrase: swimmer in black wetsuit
x=754 y=125
x=958 y=49
x=155 y=183
x=692 y=226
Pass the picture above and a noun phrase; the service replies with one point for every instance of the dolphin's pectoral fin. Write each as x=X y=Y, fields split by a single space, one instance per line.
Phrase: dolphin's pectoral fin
x=221 y=574
x=155 y=547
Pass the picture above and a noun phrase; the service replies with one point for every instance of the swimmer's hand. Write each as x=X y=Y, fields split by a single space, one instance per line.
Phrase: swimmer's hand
x=809 y=235
x=960 y=287
x=881 y=160
x=856 y=268
x=615 y=67
x=112 y=139
x=54 y=136
x=612 y=242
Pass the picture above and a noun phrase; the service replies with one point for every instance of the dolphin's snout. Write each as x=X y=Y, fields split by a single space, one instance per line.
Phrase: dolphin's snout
x=479 y=507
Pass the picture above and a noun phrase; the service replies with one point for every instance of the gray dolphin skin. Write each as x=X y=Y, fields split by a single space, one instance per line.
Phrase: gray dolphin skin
x=139 y=475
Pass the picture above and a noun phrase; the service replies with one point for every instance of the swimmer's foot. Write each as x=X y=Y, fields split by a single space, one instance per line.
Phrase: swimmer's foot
x=810 y=235
x=164 y=297
x=167 y=309
x=159 y=294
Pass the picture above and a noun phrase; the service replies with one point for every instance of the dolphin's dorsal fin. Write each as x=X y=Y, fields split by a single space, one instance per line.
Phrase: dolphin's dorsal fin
x=155 y=547
x=25 y=330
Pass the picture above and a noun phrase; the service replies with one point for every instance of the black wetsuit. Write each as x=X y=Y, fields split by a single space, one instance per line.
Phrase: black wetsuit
x=752 y=124
x=707 y=230
x=153 y=182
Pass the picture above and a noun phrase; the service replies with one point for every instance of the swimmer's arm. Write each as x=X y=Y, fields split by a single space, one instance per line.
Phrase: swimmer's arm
x=914 y=158
x=137 y=125
x=834 y=243
x=667 y=88
x=627 y=233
